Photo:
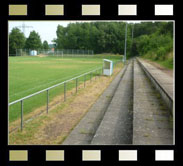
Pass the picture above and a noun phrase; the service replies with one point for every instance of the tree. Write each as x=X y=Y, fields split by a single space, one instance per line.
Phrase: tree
x=45 y=45
x=33 y=41
x=109 y=37
x=16 y=41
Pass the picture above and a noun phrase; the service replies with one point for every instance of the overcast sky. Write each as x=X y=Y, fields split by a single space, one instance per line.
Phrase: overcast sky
x=46 y=29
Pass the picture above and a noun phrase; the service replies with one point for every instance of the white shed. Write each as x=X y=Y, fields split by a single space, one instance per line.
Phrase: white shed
x=107 y=67
x=33 y=52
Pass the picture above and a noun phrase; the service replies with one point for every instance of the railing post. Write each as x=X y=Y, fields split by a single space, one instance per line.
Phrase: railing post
x=47 y=100
x=65 y=91
x=76 y=85
x=21 y=115
x=84 y=81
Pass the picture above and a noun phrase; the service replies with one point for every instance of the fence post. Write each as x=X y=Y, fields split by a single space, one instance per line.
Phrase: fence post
x=84 y=80
x=90 y=76
x=65 y=91
x=95 y=75
x=76 y=85
x=21 y=115
x=47 y=100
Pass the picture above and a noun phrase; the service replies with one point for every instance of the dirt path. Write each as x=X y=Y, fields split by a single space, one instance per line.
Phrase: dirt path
x=62 y=118
x=165 y=70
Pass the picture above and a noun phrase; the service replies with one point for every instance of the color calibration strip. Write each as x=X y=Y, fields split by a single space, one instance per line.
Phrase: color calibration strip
x=91 y=155
x=91 y=10
x=129 y=10
x=164 y=10
x=54 y=155
x=18 y=155
x=88 y=10
x=54 y=10
x=127 y=155
x=20 y=10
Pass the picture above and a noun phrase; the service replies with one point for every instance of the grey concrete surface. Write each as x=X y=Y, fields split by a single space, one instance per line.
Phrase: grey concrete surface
x=161 y=81
x=130 y=111
x=152 y=123
x=116 y=126
x=83 y=133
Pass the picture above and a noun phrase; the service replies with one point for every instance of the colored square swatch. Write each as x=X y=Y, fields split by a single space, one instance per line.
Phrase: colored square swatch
x=15 y=10
x=163 y=10
x=127 y=10
x=127 y=155
x=90 y=9
x=18 y=155
x=54 y=10
x=91 y=155
x=164 y=155
x=54 y=155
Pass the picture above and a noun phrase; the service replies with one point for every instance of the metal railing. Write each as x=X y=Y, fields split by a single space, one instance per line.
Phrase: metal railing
x=99 y=72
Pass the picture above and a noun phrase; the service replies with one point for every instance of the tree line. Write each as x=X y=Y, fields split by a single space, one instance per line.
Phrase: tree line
x=17 y=40
x=150 y=39
x=109 y=37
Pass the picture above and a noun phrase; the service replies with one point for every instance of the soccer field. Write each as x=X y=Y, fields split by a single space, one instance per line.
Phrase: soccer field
x=28 y=75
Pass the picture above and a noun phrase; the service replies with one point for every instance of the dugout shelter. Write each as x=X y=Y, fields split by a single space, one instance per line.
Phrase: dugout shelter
x=107 y=67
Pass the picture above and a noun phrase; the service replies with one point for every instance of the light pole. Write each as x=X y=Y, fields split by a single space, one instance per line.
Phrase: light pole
x=124 y=58
x=132 y=32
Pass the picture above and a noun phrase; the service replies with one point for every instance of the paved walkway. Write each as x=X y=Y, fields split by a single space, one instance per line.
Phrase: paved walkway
x=162 y=78
x=152 y=124
x=84 y=132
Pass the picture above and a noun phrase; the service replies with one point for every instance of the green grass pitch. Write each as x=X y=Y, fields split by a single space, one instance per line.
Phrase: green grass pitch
x=28 y=75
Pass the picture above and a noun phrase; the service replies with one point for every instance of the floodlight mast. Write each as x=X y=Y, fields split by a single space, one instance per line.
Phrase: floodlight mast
x=124 y=57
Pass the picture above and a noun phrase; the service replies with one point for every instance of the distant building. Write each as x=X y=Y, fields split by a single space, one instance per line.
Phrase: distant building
x=52 y=46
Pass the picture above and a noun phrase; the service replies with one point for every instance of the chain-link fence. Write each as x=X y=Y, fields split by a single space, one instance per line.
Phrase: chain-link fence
x=55 y=52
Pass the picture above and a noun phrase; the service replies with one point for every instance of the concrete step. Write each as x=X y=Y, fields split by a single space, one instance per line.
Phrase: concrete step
x=116 y=126
x=152 y=123
x=84 y=132
x=161 y=81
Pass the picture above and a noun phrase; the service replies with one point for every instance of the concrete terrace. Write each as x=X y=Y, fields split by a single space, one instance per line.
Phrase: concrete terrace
x=130 y=111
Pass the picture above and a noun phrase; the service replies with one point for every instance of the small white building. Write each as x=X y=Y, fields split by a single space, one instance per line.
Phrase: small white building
x=33 y=53
x=107 y=67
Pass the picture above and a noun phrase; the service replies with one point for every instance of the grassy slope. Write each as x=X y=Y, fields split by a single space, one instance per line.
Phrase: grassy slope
x=167 y=63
